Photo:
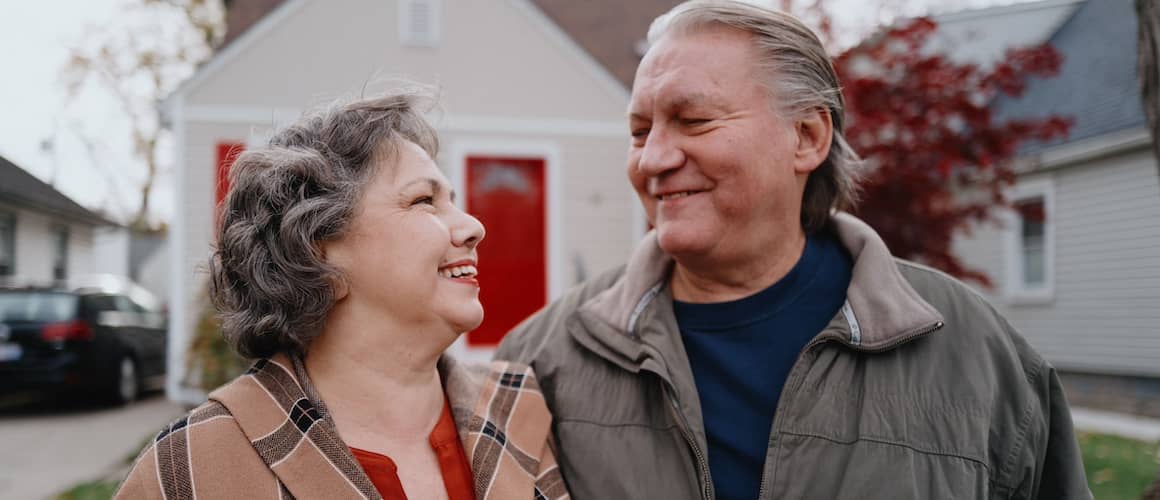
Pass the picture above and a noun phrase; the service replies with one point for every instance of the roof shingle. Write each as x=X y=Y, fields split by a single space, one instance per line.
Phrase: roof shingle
x=1097 y=85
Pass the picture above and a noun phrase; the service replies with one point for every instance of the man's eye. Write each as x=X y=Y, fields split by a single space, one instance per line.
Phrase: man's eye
x=639 y=133
x=692 y=122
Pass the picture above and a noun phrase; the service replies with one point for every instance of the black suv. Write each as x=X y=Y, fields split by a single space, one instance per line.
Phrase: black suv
x=91 y=339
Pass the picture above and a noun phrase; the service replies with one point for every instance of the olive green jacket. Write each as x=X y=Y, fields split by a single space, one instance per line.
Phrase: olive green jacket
x=917 y=389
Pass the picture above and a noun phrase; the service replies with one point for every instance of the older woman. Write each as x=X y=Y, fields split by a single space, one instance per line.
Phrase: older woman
x=346 y=269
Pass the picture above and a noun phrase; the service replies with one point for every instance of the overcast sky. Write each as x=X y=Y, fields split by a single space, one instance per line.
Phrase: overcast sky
x=40 y=131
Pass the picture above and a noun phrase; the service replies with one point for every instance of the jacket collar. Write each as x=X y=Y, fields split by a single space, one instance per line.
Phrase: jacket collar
x=280 y=413
x=286 y=421
x=882 y=310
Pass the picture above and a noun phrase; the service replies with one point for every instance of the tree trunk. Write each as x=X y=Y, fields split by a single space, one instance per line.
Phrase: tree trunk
x=1148 y=13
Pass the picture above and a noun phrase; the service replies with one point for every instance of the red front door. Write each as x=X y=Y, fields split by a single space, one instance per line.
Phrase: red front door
x=508 y=195
x=227 y=152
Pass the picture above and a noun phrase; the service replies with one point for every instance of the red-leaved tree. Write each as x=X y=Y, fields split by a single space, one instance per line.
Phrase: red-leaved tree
x=937 y=158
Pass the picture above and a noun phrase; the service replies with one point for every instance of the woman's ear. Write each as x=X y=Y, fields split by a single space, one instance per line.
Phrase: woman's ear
x=332 y=256
x=814 y=135
x=339 y=285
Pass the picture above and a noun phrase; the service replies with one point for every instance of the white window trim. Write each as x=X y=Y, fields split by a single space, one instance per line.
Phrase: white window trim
x=1015 y=291
x=408 y=38
x=455 y=165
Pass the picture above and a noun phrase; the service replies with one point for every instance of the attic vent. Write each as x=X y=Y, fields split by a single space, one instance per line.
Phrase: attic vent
x=419 y=23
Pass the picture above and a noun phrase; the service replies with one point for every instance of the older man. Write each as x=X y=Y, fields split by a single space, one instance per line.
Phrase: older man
x=759 y=344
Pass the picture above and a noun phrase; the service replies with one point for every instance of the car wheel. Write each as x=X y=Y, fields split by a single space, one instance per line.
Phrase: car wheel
x=127 y=382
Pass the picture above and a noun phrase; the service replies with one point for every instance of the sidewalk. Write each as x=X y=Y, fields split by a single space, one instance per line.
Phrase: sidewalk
x=1119 y=424
x=51 y=447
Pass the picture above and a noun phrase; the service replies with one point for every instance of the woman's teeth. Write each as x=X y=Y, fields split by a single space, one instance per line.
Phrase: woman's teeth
x=458 y=272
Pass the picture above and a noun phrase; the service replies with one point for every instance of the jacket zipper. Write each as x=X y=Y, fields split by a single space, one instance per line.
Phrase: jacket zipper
x=683 y=423
x=674 y=405
x=796 y=375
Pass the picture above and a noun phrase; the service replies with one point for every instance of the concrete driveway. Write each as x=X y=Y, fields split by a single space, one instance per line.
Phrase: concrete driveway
x=49 y=445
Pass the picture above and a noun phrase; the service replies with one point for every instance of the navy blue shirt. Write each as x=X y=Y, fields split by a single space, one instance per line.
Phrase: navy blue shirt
x=741 y=353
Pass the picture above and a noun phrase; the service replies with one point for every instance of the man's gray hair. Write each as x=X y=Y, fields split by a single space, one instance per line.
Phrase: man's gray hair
x=269 y=279
x=801 y=79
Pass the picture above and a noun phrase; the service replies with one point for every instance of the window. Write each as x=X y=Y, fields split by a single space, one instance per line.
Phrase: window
x=97 y=303
x=46 y=307
x=419 y=23
x=7 y=244
x=60 y=252
x=1031 y=244
x=1033 y=248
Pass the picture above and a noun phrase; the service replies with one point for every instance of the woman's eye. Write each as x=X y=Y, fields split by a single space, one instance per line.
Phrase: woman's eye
x=692 y=122
x=423 y=200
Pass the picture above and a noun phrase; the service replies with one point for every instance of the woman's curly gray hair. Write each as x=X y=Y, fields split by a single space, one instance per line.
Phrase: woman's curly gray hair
x=268 y=278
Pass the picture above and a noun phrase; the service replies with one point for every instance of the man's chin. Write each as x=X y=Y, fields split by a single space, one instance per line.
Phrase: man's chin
x=678 y=242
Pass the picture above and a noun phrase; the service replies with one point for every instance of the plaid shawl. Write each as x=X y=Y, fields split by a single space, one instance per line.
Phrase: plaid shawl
x=267 y=434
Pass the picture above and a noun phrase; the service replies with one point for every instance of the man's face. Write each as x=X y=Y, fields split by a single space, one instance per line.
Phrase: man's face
x=718 y=171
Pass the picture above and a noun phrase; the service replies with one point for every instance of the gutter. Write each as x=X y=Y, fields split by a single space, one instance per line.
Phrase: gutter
x=1085 y=150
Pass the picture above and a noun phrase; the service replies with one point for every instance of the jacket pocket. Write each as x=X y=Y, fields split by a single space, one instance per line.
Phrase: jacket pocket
x=821 y=467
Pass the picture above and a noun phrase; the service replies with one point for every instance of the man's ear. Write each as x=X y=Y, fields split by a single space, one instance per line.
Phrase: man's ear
x=814 y=133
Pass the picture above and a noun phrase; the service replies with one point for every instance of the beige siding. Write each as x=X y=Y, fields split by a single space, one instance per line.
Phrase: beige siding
x=493 y=59
x=1104 y=315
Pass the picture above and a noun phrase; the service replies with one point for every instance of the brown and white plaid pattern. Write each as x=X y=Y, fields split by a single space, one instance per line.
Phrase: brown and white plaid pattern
x=507 y=433
x=267 y=435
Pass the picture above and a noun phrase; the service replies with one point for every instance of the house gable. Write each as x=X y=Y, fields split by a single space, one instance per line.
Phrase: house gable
x=494 y=58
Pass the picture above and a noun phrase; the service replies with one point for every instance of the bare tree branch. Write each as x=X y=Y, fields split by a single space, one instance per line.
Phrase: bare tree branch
x=142 y=62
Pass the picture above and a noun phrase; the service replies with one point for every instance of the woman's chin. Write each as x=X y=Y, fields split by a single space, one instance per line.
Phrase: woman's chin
x=467 y=323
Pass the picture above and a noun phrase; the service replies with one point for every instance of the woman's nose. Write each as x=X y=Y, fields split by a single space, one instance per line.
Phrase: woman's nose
x=469 y=231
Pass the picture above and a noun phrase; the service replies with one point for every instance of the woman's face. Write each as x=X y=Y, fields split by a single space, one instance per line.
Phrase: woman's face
x=409 y=253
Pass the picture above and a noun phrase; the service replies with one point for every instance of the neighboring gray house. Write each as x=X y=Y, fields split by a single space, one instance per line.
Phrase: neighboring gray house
x=1083 y=284
x=44 y=235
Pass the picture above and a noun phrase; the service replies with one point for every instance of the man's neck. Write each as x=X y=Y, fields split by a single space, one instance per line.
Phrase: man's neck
x=712 y=280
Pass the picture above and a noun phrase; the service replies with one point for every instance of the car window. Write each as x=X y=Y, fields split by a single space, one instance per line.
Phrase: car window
x=130 y=305
x=123 y=303
x=37 y=306
x=98 y=303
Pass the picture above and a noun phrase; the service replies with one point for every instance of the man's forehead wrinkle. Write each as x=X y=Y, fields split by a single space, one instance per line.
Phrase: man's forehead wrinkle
x=673 y=91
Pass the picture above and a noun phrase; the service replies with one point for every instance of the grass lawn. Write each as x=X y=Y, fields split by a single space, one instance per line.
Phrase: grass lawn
x=96 y=490
x=1118 y=468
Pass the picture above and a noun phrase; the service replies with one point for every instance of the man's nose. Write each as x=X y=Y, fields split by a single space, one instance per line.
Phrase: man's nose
x=661 y=152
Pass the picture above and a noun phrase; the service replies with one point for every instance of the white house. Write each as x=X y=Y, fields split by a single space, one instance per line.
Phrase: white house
x=45 y=237
x=533 y=133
